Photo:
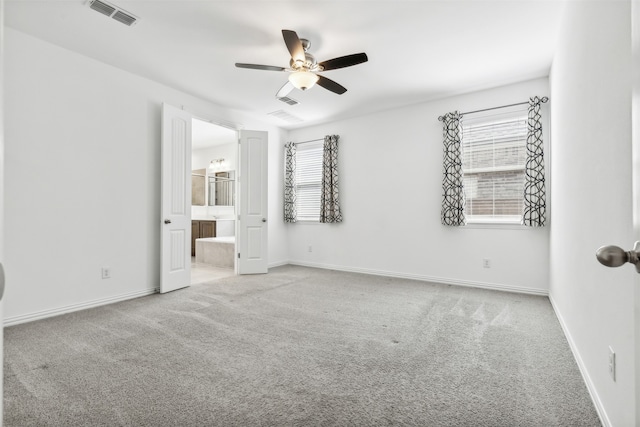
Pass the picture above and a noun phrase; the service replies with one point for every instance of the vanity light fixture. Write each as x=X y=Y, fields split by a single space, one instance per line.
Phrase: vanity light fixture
x=217 y=164
x=303 y=80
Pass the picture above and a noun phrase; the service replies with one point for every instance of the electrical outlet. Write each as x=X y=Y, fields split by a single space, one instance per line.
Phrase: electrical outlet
x=612 y=363
x=310 y=248
x=106 y=273
x=486 y=263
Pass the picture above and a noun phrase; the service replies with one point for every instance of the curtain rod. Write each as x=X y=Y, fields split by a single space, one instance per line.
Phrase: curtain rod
x=495 y=108
x=306 y=142
x=543 y=100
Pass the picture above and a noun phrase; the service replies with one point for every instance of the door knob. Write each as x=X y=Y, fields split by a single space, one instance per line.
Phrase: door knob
x=613 y=256
x=264 y=219
x=167 y=221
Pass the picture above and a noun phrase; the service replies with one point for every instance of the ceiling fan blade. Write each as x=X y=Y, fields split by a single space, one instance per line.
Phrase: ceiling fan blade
x=260 y=67
x=285 y=90
x=331 y=85
x=294 y=45
x=344 y=61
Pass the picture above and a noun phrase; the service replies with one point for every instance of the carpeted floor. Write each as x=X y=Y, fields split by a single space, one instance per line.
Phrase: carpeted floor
x=299 y=347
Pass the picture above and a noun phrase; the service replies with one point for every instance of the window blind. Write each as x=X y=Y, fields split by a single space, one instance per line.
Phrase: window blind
x=493 y=165
x=309 y=180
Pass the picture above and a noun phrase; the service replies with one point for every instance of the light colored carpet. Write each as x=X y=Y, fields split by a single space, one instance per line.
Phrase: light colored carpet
x=299 y=347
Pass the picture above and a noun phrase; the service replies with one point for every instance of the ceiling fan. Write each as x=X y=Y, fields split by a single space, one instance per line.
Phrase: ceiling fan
x=304 y=68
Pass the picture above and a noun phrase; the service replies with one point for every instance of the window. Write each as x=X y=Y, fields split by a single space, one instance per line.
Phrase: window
x=493 y=166
x=308 y=180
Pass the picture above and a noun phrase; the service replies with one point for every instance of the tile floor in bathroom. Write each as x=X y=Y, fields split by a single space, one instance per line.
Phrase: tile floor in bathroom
x=201 y=272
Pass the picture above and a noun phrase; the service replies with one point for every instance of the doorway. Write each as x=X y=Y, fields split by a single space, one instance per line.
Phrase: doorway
x=249 y=198
x=214 y=164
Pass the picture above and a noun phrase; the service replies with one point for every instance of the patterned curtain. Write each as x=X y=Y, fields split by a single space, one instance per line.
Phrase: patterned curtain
x=290 y=214
x=329 y=203
x=453 y=191
x=534 y=214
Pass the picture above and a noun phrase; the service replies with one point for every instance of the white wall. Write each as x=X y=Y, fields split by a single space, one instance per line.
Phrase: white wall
x=82 y=175
x=591 y=197
x=201 y=159
x=390 y=166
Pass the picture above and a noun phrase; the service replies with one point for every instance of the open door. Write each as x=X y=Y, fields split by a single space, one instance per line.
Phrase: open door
x=1 y=202
x=176 y=199
x=635 y=144
x=252 y=218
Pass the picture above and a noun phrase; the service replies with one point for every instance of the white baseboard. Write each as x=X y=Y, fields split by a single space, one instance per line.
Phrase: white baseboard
x=583 y=369
x=24 y=318
x=445 y=281
x=277 y=264
x=15 y=320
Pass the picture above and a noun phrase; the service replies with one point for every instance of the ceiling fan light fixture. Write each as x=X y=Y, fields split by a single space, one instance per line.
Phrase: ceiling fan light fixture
x=303 y=80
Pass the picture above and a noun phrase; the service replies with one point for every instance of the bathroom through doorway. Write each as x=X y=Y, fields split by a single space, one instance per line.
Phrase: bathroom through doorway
x=214 y=164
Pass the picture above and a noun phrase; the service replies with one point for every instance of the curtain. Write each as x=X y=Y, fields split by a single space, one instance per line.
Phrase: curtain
x=290 y=214
x=534 y=214
x=329 y=203
x=453 y=191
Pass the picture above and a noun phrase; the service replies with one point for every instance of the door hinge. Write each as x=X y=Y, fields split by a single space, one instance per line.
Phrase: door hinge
x=238 y=255
x=238 y=217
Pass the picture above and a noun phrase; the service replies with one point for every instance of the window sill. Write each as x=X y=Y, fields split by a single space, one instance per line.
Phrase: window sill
x=502 y=225
x=307 y=221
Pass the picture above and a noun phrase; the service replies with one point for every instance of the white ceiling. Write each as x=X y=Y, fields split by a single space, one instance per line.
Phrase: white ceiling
x=418 y=50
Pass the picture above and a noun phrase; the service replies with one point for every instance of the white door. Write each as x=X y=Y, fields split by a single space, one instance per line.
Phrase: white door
x=176 y=199
x=2 y=284
x=252 y=222
x=635 y=138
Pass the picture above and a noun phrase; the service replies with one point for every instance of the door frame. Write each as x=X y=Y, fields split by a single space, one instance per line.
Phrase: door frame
x=238 y=128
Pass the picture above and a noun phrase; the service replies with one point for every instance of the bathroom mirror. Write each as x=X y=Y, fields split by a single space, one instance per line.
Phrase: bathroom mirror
x=221 y=188
x=210 y=188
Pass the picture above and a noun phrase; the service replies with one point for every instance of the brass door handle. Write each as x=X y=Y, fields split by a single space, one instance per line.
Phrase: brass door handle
x=614 y=256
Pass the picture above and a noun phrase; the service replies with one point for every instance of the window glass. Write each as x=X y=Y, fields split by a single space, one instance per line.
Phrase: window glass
x=493 y=165
x=308 y=180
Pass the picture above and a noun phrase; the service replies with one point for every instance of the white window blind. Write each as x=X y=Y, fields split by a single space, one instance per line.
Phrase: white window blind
x=309 y=180
x=493 y=164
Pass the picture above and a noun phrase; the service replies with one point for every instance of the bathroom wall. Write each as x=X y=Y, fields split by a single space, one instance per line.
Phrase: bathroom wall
x=200 y=159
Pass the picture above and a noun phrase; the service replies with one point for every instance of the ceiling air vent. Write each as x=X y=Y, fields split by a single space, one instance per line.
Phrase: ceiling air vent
x=113 y=11
x=125 y=18
x=288 y=100
x=283 y=115
x=101 y=7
